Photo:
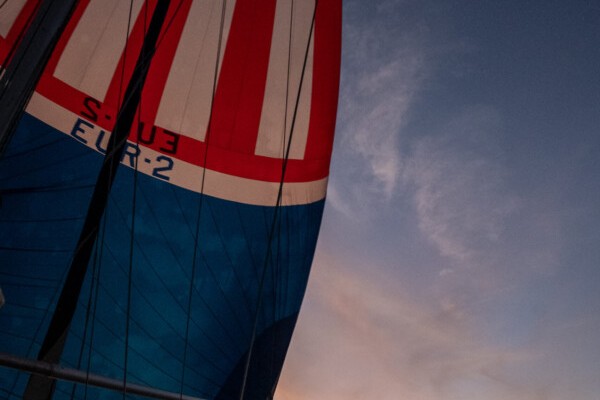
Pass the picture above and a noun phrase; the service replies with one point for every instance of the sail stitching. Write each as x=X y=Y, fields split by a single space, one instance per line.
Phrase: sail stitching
x=87 y=317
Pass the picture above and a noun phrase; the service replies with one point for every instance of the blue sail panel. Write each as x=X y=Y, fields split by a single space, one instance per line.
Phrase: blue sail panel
x=46 y=180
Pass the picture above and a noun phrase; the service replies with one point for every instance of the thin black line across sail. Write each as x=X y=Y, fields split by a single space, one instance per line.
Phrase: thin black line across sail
x=41 y=388
x=27 y=64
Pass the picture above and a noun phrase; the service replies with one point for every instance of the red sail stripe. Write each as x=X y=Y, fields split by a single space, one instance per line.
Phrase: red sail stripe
x=162 y=60
x=65 y=37
x=18 y=27
x=119 y=82
x=326 y=77
x=241 y=87
x=231 y=156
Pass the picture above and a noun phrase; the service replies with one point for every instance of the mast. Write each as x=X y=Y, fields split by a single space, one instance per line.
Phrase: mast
x=23 y=72
x=40 y=387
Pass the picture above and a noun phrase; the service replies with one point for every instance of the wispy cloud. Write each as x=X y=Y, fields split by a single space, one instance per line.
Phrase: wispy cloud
x=460 y=191
x=383 y=70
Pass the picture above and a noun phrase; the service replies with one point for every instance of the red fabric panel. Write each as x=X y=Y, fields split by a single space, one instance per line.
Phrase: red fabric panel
x=241 y=87
x=326 y=78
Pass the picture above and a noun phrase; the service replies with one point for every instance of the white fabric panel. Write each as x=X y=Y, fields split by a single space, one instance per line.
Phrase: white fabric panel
x=97 y=44
x=8 y=14
x=186 y=101
x=274 y=121
x=184 y=174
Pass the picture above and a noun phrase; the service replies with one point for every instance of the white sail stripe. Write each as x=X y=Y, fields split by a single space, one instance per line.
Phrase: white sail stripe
x=97 y=42
x=8 y=14
x=186 y=100
x=184 y=174
x=270 y=142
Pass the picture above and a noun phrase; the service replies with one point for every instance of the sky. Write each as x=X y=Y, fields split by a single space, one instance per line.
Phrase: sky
x=458 y=256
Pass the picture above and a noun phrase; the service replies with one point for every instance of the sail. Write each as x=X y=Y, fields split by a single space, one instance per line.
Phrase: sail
x=161 y=195
x=15 y=18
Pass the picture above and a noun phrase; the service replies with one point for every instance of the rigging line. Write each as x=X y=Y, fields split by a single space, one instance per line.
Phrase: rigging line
x=172 y=376
x=196 y=291
x=168 y=24
x=167 y=287
x=141 y=355
x=43 y=167
x=178 y=263
x=125 y=52
x=110 y=361
x=277 y=294
x=15 y=46
x=57 y=332
x=233 y=270
x=96 y=279
x=247 y=242
x=69 y=374
x=133 y=212
x=52 y=301
x=277 y=302
x=201 y=201
x=277 y=208
x=120 y=99
x=30 y=149
x=24 y=79
x=118 y=306
x=18 y=39
x=144 y=61
x=87 y=319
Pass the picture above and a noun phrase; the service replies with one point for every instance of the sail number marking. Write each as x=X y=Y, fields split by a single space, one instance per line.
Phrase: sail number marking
x=97 y=138
x=163 y=139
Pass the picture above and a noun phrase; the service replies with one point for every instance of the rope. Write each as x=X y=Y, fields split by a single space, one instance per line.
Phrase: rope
x=133 y=211
x=15 y=45
x=201 y=202
x=98 y=262
x=276 y=213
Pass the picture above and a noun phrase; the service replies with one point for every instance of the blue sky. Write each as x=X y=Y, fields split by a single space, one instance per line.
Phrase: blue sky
x=459 y=256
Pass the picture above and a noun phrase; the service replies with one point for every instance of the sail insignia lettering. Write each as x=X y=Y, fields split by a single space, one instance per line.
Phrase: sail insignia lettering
x=147 y=161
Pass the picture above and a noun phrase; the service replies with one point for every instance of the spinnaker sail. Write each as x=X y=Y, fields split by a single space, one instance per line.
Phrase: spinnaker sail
x=161 y=194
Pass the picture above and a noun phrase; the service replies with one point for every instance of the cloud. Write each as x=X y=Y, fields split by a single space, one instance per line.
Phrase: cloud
x=362 y=338
x=383 y=67
x=461 y=193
